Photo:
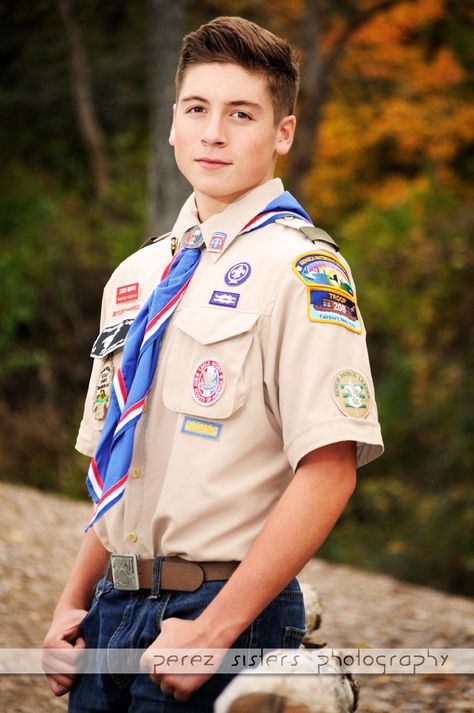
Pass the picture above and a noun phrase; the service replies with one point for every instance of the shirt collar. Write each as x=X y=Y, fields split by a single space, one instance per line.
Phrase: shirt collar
x=229 y=222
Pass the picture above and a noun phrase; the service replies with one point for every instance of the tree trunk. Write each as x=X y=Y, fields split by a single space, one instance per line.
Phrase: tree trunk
x=87 y=119
x=310 y=101
x=167 y=187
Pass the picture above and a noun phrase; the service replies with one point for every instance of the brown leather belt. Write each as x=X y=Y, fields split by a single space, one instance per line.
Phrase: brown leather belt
x=129 y=573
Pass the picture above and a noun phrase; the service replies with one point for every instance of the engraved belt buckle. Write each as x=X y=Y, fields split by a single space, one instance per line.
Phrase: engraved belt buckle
x=125 y=572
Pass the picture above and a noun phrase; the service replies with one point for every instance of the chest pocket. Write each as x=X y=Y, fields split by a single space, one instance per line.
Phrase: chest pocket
x=221 y=339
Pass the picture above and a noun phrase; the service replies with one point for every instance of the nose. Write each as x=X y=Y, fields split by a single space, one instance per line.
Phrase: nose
x=213 y=134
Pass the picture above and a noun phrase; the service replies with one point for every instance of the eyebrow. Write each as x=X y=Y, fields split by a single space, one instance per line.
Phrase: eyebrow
x=234 y=102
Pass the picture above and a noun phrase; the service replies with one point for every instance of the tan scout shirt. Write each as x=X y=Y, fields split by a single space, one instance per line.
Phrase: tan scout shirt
x=246 y=385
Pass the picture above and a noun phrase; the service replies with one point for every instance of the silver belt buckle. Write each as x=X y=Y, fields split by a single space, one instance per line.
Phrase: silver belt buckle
x=125 y=572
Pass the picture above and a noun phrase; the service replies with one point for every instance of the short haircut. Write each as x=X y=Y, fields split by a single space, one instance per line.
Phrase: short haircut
x=235 y=40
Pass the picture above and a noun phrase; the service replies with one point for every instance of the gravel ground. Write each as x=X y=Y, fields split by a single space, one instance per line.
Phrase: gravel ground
x=39 y=535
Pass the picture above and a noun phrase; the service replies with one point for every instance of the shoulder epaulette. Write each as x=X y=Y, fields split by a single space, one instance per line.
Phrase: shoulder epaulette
x=154 y=239
x=318 y=234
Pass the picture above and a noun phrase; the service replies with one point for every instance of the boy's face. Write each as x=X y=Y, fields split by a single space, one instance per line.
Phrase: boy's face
x=224 y=134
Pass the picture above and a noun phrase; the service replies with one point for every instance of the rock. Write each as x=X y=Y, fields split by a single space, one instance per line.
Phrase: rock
x=360 y=609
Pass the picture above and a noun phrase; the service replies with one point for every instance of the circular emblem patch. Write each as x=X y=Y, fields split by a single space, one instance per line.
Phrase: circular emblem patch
x=238 y=273
x=351 y=393
x=192 y=239
x=208 y=382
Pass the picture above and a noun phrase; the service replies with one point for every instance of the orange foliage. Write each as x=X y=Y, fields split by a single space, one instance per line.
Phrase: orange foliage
x=396 y=24
x=396 y=107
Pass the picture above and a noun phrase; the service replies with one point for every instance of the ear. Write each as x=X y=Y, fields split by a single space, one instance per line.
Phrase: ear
x=285 y=134
x=172 y=131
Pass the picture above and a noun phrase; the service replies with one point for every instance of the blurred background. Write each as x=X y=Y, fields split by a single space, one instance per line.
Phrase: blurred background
x=383 y=160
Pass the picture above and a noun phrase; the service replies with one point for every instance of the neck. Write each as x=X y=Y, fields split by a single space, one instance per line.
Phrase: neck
x=207 y=206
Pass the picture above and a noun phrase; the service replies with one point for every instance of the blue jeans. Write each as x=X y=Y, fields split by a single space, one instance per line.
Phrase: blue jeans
x=133 y=619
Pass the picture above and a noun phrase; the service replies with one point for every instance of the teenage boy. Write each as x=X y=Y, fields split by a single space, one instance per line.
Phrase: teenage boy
x=234 y=442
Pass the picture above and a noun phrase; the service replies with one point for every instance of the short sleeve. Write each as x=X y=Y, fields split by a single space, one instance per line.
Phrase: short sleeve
x=317 y=371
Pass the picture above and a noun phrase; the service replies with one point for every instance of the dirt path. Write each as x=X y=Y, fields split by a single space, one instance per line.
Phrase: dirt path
x=39 y=535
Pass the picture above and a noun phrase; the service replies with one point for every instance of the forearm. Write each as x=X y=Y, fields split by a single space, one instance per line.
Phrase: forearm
x=299 y=523
x=88 y=568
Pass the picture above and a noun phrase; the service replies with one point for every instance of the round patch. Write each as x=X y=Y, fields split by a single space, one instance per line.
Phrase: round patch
x=238 y=273
x=351 y=393
x=208 y=382
x=192 y=239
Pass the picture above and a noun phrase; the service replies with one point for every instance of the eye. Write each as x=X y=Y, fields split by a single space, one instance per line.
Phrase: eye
x=195 y=110
x=242 y=115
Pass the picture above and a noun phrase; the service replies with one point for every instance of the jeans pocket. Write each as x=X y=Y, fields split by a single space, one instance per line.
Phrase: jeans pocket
x=292 y=637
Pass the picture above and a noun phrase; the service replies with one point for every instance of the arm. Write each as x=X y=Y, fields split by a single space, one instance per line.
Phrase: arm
x=299 y=523
x=73 y=605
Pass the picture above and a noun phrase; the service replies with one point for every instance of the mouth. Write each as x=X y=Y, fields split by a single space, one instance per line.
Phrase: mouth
x=206 y=162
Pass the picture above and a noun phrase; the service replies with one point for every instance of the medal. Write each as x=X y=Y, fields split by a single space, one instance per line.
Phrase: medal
x=193 y=239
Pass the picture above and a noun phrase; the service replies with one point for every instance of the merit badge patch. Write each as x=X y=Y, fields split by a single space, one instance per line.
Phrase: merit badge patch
x=111 y=338
x=216 y=243
x=323 y=270
x=204 y=429
x=334 y=307
x=208 y=382
x=102 y=391
x=127 y=293
x=238 y=273
x=225 y=299
x=351 y=393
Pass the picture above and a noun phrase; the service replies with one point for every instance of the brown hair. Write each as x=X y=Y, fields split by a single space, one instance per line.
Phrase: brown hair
x=235 y=40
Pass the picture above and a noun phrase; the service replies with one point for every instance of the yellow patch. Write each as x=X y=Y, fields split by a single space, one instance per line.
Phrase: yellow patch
x=198 y=427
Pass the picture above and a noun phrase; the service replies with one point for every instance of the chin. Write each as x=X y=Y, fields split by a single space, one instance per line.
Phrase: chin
x=218 y=192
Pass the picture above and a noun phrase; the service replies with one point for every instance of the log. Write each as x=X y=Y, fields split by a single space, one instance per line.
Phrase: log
x=266 y=703
x=280 y=692
x=303 y=692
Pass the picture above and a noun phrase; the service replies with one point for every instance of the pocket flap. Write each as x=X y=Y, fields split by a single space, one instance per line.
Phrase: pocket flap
x=207 y=328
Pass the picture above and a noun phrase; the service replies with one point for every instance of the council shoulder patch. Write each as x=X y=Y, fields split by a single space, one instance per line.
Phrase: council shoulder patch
x=351 y=393
x=334 y=307
x=321 y=269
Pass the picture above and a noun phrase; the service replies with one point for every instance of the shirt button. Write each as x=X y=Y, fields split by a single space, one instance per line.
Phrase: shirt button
x=132 y=537
x=135 y=472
